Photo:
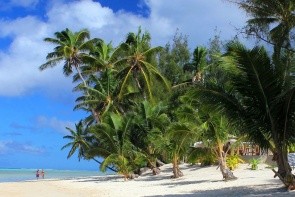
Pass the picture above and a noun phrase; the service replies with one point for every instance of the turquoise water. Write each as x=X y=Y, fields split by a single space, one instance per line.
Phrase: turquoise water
x=16 y=175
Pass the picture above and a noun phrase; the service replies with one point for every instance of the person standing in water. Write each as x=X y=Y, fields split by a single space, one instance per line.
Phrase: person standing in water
x=42 y=173
x=37 y=174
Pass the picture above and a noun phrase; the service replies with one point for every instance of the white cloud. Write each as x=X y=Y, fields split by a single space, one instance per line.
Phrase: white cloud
x=197 y=19
x=19 y=64
x=54 y=124
x=87 y=13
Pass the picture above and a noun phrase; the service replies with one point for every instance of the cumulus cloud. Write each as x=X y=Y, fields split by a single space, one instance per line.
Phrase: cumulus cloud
x=16 y=147
x=19 y=64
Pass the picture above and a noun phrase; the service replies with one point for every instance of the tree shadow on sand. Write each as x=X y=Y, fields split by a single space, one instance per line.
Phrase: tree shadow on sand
x=97 y=179
x=257 y=190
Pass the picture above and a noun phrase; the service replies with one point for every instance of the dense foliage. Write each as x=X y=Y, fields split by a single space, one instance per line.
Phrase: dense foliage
x=148 y=105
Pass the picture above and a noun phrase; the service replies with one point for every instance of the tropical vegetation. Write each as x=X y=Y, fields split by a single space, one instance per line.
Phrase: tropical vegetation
x=147 y=105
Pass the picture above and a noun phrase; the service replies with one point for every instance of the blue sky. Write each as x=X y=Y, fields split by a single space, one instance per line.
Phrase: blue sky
x=35 y=107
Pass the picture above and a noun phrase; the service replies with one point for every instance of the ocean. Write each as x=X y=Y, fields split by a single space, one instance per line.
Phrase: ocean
x=17 y=175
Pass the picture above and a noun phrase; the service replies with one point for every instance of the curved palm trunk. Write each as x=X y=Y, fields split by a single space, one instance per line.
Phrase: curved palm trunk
x=112 y=169
x=176 y=171
x=153 y=167
x=226 y=172
x=284 y=170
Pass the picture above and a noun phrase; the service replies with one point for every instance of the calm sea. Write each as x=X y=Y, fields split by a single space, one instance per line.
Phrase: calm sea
x=16 y=175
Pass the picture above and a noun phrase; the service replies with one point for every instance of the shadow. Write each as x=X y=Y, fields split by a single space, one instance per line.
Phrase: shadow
x=258 y=190
x=180 y=182
x=151 y=178
x=114 y=178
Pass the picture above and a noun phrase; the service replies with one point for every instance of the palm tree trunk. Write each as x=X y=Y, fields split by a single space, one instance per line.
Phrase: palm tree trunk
x=284 y=170
x=226 y=172
x=94 y=113
x=112 y=169
x=153 y=167
x=176 y=171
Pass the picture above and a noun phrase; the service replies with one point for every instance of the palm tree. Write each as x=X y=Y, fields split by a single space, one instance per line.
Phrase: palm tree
x=149 y=122
x=73 y=48
x=271 y=21
x=176 y=142
x=138 y=68
x=198 y=64
x=106 y=57
x=81 y=140
x=78 y=139
x=100 y=97
x=207 y=125
x=216 y=132
x=259 y=98
x=113 y=145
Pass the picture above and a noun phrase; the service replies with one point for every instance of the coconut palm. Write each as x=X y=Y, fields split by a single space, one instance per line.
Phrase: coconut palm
x=260 y=99
x=102 y=85
x=78 y=139
x=210 y=127
x=100 y=97
x=149 y=122
x=73 y=48
x=198 y=64
x=176 y=142
x=106 y=57
x=270 y=20
x=113 y=145
x=81 y=140
x=138 y=69
x=216 y=132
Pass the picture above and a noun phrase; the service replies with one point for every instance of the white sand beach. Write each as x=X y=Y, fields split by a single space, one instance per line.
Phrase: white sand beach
x=197 y=181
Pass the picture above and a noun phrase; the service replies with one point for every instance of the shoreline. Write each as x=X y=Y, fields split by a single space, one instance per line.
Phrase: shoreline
x=20 y=175
x=197 y=181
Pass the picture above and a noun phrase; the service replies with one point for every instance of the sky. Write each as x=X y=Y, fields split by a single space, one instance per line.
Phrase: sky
x=35 y=106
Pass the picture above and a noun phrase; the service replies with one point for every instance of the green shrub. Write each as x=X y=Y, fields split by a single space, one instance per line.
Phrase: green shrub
x=254 y=163
x=233 y=161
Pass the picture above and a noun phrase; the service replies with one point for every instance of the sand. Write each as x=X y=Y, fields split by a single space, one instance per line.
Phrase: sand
x=197 y=181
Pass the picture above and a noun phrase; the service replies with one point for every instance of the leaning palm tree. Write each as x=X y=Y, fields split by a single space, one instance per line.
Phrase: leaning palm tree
x=81 y=140
x=259 y=98
x=78 y=141
x=113 y=144
x=137 y=67
x=73 y=49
